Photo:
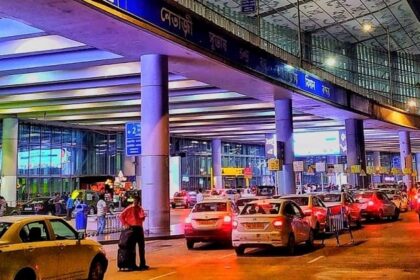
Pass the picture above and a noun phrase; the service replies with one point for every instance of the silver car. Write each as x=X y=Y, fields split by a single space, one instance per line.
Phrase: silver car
x=271 y=223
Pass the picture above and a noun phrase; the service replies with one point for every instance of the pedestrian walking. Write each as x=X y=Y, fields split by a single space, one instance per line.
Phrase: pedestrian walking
x=57 y=204
x=101 y=210
x=132 y=218
x=200 y=196
x=3 y=206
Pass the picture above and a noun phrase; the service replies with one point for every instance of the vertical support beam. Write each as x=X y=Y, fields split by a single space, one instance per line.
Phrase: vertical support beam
x=9 y=160
x=355 y=149
x=418 y=166
x=300 y=49
x=284 y=133
x=376 y=164
x=216 y=162
x=155 y=141
x=406 y=157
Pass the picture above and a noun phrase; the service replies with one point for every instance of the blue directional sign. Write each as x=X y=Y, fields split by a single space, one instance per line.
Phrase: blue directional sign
x=248 y=6
x=133 y=139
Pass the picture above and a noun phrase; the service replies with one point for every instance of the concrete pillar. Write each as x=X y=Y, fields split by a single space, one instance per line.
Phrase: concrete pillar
x=284 y=133
x=155 y=141
x=418 y=166
x=9 y=160
x=356 y=150
x=216 y=163
x=406 y=157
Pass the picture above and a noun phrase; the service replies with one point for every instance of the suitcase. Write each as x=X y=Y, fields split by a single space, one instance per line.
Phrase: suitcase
x=126 y=258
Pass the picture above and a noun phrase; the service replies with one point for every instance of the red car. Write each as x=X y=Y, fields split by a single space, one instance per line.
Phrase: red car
x=313 y=208
x=353 y=209
x=376 y=204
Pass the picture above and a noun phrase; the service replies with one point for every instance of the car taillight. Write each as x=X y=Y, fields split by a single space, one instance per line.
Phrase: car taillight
x=235 y=224
x=278 y=223
x=227 y=219
x=370 y=203
x=188 y=220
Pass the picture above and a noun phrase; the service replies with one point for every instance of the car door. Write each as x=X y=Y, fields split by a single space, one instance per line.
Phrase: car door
x=40 y=251
x=319 y=210
x=74 y=257
x=303 y=226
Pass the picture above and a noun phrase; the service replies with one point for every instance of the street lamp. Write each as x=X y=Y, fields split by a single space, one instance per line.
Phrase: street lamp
x=412 y=105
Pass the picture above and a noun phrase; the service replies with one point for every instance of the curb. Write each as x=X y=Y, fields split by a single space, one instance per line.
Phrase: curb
x=148 y=238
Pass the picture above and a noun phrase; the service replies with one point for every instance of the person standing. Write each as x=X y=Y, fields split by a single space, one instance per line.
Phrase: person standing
x=57 y=204
x=69 y=208
x=132 y=218
x=101 y=213
x=200 y=195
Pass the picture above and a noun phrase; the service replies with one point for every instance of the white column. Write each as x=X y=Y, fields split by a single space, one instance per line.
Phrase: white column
x=406 y=157
x=155 y=141
x=9 y=160
x=216 y=157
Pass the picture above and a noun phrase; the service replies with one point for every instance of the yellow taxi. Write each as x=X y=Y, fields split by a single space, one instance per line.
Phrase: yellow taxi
x=47 y=247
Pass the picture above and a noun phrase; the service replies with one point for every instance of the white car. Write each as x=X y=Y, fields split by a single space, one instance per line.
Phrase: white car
x=271 y=222
x=210 y=220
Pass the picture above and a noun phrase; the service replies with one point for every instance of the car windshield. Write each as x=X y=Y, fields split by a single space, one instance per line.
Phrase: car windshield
x=242 y=202
x=3 y=228
x=301 y=201
x=261 y=208
x=331 y=197
x=210 y=207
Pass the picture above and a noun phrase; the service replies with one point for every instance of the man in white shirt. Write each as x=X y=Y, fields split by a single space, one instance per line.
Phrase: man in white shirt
x=200 y=196
x=101 y=210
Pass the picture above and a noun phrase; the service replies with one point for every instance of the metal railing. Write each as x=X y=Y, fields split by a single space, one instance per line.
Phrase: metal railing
x=251 y=37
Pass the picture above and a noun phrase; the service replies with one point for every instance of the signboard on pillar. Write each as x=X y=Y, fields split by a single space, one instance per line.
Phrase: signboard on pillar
x=339 y=168
x=298 y=166
x=355 y=168
x=408 y=160
x=133 y=139
x=273 y=164
x=270 y=146
x=320 y=167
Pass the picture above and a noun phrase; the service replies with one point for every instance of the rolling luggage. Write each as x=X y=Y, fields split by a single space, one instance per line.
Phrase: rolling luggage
x=126 y=258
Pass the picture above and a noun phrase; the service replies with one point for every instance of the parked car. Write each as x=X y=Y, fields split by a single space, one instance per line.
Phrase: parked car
x=271 y=223
x=210 y=220
x=398 y=197
x=375 y=204
x=47 y=247
x=353 y=209
x=314 y=209
x=184 y=199
x=241 y=202
x=40 y=206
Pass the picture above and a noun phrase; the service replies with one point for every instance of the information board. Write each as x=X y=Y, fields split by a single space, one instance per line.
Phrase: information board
x=133 y=139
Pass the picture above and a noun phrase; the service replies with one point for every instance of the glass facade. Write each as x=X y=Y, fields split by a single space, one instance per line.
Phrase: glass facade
x=52 y=159
x=365 y=68
x=196 y=162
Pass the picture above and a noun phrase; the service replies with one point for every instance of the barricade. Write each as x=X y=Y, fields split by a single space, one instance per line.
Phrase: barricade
x=112 y=224
x=338 y=222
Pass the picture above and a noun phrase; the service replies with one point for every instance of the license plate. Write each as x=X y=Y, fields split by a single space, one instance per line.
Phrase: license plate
x=254 y=225
x=28 y=208
x=206 y=222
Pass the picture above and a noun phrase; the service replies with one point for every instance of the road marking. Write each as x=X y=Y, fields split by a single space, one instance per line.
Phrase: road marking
x=226 y=256
x=161 y=276
x=316 y=259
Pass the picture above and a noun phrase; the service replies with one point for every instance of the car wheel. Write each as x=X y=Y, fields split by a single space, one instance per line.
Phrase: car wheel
x=186 y=205
x=380 y=215
x=359 y=223
x=173 y=205
x=291 y=245
x=26 y=274
x=97 y=270
x=240 y=251
x=310 y=241
x=317 y=229
x=396 y=214
x=190 y=244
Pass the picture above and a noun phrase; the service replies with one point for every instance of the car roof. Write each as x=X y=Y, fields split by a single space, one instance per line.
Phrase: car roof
x=24 y=218
x=221 y=199
x=297 y=195
x=268 y=200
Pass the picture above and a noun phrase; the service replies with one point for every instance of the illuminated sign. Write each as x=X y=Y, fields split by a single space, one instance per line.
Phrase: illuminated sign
x=44 y=158
x=316 y=143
